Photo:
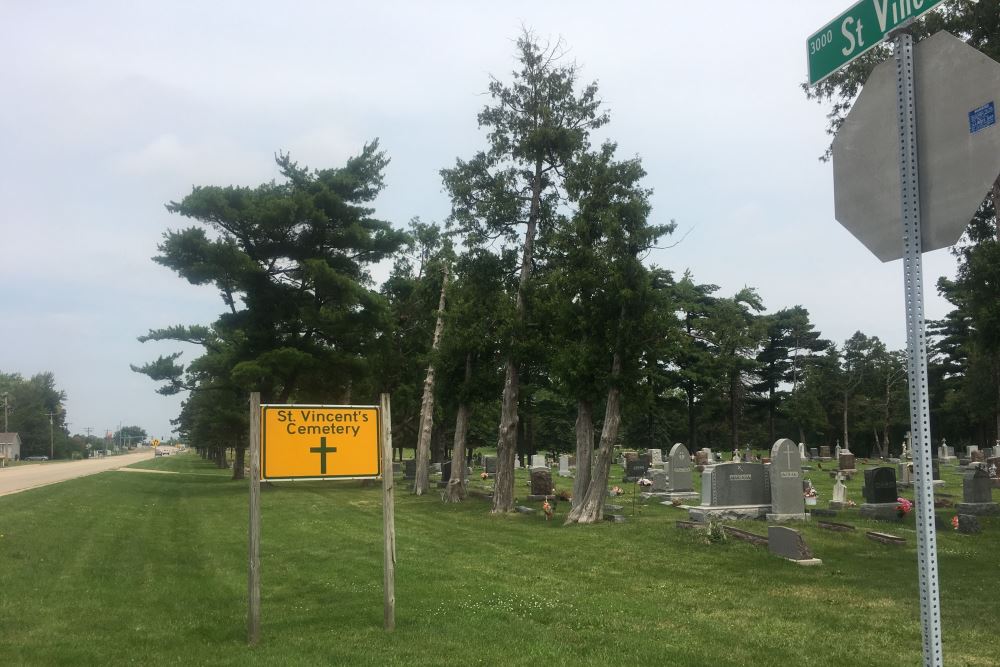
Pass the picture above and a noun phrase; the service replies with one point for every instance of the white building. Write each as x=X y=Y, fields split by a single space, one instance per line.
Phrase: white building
x=10 y=446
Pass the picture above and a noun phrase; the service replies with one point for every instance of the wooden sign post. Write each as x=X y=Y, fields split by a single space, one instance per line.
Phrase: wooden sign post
x=310 y=442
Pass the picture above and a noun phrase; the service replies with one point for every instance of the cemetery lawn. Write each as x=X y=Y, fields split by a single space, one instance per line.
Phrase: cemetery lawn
x=129 y=567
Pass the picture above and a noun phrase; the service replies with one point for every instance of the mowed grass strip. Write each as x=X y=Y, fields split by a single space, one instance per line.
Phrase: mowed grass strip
x=131 y=568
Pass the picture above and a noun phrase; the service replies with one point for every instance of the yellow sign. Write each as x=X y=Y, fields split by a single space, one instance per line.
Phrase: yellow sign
x=156 y=442
x=319 y=442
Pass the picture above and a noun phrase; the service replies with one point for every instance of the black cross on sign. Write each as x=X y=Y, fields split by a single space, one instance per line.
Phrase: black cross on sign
x=322 y=450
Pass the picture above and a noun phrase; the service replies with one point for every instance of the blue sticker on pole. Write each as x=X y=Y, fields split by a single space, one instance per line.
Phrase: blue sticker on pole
x=982 y=118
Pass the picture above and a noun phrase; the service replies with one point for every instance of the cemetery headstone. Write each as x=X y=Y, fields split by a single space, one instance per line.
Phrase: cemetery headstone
x=656 y=458
x=802 y=451
x=541 y=482
x=846 y=461
x=813 y=452
x=836 y=452
x=977 y=494
x=410 y=469
x=659 y=479
x=680 y=479
x=646 y=460
x=734 y=491
x=701 y=458
x=564 y=465
x=904 y=474
x=839 y=493
x=880 y=494
x=977 y=456
x=824 y=453
x=538 y=461
x=490 y=465
x=969 y=523
x=634 y=470
x=788 y=543
x=787 y=502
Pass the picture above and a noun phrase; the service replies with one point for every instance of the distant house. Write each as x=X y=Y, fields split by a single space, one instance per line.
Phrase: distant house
x=10 y=446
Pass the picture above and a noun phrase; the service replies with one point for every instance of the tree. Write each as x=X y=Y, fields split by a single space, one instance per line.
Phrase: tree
x=291 y=262
x=36 y=411
x=537 y=124
x=616 y=313
x=790 y=342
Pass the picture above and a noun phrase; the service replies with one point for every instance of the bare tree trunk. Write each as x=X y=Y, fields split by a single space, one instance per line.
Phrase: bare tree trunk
x=456 y=483
x=584 y=449
x=591 y=509
x=238 y=462
x=503 y=488
x=421 y=480
x=692 y=431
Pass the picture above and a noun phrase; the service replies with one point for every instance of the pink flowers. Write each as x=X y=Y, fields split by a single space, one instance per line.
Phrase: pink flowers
x=617 y=491
x=645 y=482
x=954 y=522
x=903 y=507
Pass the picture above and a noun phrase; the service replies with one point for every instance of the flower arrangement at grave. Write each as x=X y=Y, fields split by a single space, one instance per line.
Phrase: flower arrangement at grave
x=645 y=482
x=616 y=491
x=547 y=509
x=954 y=522
x=484 y=475
x=903 y=507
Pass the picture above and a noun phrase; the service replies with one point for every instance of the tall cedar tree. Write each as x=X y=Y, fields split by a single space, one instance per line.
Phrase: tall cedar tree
x=614 y=314
x=536 y=125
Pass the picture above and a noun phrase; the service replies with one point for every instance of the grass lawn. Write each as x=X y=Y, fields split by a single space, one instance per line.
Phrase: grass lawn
x=138 y=568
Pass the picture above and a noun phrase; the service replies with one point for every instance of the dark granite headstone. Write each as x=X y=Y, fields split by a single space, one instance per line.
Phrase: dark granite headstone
x=976 y=487
x=786 y=479
x=846 y=461
x=679 y=461
x=646 y=460
x=787 y=543
x=740 y=484
x=410 y=469
x=490 y=465
x=635 y=469
x=880 y=485
x=541 y=482
x=935 y=469
x=969 y=523
x=813 y=453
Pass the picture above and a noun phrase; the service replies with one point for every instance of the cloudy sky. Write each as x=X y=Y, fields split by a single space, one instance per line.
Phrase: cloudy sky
x=111 y=109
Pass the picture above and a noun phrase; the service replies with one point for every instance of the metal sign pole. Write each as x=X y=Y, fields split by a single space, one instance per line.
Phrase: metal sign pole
x=930 y=609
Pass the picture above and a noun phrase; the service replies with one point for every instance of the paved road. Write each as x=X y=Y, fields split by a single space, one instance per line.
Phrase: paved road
x=20 y=478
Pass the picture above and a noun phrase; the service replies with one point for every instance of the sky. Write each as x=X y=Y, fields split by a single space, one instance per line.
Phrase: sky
x=109 y=110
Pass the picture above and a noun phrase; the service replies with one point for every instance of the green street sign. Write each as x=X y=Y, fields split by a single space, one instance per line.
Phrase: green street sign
x=856 y=31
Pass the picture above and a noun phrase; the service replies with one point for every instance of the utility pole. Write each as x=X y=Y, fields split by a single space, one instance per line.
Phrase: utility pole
x=6 y=401
x=52 y=437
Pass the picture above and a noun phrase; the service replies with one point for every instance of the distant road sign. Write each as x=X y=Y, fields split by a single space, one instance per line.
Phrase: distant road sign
x=319 y=442
x=856 y=31
x=156 y=442
x=959 y=148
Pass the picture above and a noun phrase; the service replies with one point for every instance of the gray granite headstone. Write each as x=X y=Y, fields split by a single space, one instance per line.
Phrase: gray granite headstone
x=656 y=458
x=787 y=543
x=813 y=453
x=679 y=462
x=538 y=461
x=786 y=479
x=739 y=484
x=659 y=479
x=976 y=487
x=880 y=485
x=564 y=465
